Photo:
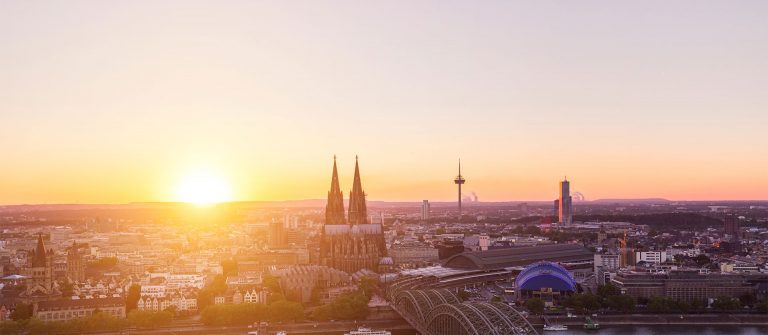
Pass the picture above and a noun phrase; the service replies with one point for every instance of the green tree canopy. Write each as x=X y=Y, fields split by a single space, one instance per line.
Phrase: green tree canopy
x=535 y=305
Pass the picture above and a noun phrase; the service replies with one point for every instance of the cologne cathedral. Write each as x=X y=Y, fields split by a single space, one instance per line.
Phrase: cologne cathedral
x=350 y=243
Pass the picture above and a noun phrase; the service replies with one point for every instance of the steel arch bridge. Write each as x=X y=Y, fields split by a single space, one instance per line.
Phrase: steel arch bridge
x=418 y=303
x=477 y=318
x=440 y=312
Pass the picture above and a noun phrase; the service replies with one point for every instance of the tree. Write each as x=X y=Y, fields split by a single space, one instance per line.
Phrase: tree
x=698 y=304
x=285 y=310
x=535 y=305
x=314 y=297
x=463 y=295
x=229 y=267
x=149 y=319
x=219 y=284
x=21 y=312
x=349 y=306
x=204 y=298
x=67 y=290
x=205 y=295
x=591 y=302
x=747 y=299
x=724 y=303
x=10 y=327
x=621 y=303
x=533 y=230
x=272 y=283
x=681 y=306
x=104 y=262
x=658 y=305
x=367 y=286
x=702 y=260
x=132 y=299
x=763 y=307
x=583 y=302
x=607 y=290
x=171 y=309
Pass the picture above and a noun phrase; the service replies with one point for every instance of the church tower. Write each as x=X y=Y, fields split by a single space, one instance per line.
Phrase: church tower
x=39 y=273
x=334 y=209
x=358 y=213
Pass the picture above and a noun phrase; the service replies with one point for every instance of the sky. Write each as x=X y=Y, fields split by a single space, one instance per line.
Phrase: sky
x=116 y=101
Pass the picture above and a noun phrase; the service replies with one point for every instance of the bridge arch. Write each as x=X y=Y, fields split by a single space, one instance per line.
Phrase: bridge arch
x=418 y=303
x=477 y=318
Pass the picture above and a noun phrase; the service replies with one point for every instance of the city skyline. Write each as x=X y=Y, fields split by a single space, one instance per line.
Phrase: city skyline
x=118 y=102
x=357 y=167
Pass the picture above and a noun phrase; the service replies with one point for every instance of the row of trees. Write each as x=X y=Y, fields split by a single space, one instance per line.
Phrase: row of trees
x=349 y=306
x=609 y=297
x=243 y=314
x=96 y=322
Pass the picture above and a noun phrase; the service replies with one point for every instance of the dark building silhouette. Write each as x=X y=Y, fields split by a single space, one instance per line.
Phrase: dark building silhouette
x=277 y=235
x=446 y=249
x=556 y=211
x=350 y=244
x=731 y=226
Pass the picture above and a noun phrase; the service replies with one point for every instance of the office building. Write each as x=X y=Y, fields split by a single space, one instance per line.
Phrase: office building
x=683 y=285
x=425 y=210
x=565 y=210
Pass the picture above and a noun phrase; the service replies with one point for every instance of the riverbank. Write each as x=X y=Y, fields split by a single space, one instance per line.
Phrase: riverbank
x=400 y=327
x=662 y=319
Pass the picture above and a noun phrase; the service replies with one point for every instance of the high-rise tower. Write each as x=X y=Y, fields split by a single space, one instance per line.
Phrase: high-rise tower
x=425 y=210
x=459 y=180
x=334 y=209
x=358 y=213
x=565 y=213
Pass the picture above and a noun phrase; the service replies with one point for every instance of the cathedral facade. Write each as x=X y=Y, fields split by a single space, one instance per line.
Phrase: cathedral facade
x=350 y=243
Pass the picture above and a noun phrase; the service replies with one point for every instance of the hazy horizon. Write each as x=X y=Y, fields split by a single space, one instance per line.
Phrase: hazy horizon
x=414 y=202
x=119 y=102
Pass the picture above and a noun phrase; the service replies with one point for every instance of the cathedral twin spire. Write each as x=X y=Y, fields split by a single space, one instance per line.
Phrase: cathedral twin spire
x=334 y=209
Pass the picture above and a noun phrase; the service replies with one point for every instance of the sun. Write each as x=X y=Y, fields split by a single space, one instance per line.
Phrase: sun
x=203 y=188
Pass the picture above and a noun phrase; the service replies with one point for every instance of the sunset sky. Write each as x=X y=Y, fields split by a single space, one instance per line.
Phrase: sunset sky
x=117 y=101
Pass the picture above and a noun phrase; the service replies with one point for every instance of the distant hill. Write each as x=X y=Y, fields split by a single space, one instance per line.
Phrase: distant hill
x=632 y=201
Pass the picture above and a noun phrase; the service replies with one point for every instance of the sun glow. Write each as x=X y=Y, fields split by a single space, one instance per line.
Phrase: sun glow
x=203 y=188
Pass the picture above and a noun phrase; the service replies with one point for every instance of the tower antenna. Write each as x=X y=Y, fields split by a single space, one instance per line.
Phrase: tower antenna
x=459 y=180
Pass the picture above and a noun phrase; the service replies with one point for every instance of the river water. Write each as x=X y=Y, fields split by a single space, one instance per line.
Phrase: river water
x=667 y=330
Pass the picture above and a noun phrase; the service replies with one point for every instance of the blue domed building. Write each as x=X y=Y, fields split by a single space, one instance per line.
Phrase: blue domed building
x=545 y=280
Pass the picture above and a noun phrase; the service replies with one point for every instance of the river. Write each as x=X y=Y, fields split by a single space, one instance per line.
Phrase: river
x=667 y=330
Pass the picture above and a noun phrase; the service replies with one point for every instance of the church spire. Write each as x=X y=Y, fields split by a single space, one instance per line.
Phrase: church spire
x=334 y=209
x=358 y=213
x=40 y=254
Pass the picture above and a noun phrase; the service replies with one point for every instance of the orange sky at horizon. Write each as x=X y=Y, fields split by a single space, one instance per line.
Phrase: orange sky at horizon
x=115 y=102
